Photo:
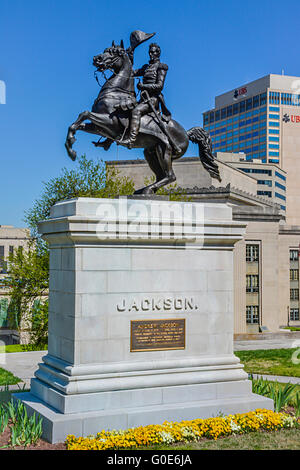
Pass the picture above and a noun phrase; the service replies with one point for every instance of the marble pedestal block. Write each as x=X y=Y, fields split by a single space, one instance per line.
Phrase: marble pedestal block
x=140 y=317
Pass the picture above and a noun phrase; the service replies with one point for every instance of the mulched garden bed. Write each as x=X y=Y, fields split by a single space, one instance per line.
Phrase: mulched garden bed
x=40 y=445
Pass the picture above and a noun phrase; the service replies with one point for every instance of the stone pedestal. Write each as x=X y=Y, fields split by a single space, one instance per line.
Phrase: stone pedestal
x=140 y=317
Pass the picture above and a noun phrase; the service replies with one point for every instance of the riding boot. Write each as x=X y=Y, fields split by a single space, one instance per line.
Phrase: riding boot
x=134 y=130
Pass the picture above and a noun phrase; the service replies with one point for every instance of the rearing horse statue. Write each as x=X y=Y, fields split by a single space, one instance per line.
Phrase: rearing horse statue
x=163 y=142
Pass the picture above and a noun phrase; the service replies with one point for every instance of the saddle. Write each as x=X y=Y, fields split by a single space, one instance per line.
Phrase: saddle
x=149 y=123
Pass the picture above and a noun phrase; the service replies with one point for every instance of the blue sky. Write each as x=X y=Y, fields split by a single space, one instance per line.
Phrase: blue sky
x=46 y=51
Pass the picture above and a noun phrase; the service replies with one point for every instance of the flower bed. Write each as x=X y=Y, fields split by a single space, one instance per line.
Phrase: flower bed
x=186 y=431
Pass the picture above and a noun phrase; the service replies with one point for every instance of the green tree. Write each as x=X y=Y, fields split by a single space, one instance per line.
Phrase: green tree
x=88 y=179
x=28 y=283
x=28 y=279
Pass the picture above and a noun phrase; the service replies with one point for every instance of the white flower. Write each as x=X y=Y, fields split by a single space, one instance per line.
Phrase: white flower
x=234 y=427
x=260 y=417
x=189 y=433
x=288 y=421
x=167 y=437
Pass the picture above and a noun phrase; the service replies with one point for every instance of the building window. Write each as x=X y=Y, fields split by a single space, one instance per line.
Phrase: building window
x=294 y=274
x=294 y=294
x=280 y=196
x=266 y=182
x=280 y=175
x=256 y=171
x=252 y=253
x=280 y=186
x=263 y=98
x=252 y=283
x=294 y=314
x=274 y=98
x=249 y=103
x=273 y=124
x=229 y=111
x=255 y=101
x=274 y=109
x=235 y=108
x=264 y=193
x=290 y=99
x=274 y=154
x=273 y=116
x=242 y=106
x=252 y=314
x=294 y=255
x=274 y=146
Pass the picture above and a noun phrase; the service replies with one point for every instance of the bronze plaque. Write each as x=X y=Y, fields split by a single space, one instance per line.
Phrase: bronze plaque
x=157 y=335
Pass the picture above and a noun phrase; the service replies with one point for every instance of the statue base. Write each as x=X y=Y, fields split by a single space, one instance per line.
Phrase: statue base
x=140 y=317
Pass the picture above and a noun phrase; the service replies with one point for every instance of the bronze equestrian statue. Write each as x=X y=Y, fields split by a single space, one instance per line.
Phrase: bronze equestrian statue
x=117 y=116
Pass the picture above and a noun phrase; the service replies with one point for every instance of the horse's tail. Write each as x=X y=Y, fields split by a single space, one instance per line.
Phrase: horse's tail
x=199 y=136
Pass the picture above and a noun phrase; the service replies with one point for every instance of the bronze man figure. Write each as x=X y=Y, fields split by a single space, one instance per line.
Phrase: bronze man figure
x=154 y=75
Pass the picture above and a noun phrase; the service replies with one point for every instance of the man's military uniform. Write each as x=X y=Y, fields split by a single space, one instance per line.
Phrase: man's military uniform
x=154 y=75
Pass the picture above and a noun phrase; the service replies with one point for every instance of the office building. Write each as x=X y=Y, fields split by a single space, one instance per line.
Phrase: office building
x=262 y=119
x=271 y=179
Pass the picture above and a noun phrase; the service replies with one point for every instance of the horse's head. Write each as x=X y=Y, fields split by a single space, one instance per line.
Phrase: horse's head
x=112 y=58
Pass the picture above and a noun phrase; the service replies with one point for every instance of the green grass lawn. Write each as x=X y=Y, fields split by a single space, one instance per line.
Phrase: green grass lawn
x=285 y=439
x=11 y=348
x=7 y=378
x=270 y=361
x=275 y=440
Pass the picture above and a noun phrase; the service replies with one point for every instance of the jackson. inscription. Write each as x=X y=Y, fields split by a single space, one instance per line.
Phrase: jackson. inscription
x=157 y=304
x=152 y=335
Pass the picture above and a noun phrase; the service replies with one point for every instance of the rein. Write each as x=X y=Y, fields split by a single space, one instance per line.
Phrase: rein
x=112 y=90
x=116 y=90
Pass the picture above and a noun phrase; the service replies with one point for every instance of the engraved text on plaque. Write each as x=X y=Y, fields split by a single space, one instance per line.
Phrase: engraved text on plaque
x=151 y=335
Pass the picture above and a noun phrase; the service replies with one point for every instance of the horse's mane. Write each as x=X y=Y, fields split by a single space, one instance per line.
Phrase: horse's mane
x=119 y=50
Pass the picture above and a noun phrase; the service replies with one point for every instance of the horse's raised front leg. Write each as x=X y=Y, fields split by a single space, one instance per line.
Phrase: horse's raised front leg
x=71 y=134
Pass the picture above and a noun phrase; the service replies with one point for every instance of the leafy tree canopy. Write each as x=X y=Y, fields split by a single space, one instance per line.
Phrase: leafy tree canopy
x=88 y=179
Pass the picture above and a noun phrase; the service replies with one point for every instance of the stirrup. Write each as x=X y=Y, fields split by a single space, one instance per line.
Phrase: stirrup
x=129 y=142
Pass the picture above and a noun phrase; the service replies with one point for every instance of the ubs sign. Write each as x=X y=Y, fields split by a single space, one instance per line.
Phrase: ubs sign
x=240 y=92
x=291 y=118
